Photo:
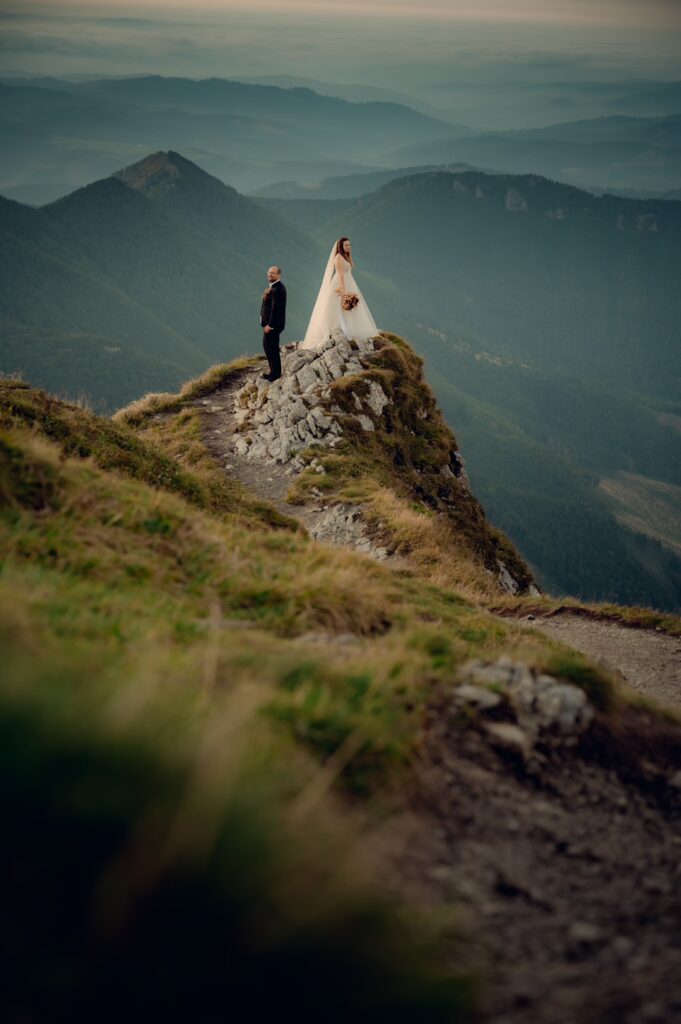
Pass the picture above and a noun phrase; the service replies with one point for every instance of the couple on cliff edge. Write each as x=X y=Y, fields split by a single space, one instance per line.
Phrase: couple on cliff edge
x=340 y=308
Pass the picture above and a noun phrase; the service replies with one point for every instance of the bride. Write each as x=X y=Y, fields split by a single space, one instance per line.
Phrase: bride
x=338 y=292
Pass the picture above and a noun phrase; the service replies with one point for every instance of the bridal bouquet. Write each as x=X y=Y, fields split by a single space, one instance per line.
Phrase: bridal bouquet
x=349 y=301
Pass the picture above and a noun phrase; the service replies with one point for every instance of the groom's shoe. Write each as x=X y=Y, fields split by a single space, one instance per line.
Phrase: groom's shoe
x=266 y=376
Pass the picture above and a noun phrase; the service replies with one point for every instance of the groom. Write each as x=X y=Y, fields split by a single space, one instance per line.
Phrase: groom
x=273 y=321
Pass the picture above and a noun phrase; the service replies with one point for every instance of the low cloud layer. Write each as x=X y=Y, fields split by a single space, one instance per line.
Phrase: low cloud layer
x=547 y=40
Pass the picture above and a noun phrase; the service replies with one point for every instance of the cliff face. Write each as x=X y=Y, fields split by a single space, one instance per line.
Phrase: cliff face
x=350 y=441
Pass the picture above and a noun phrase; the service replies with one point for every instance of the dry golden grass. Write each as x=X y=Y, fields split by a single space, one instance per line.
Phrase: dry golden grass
x=179 y=435
x=427 y=540
x=156 y=403
x=627 y=615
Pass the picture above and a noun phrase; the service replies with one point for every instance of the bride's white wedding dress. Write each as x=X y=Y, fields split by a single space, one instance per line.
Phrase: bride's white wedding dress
x=328 y=317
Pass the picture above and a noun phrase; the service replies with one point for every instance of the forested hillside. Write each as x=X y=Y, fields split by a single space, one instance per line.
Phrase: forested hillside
x=546 y=316
x=549 y=321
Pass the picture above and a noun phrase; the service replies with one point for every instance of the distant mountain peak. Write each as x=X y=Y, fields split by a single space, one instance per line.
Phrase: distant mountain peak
x=158 y=173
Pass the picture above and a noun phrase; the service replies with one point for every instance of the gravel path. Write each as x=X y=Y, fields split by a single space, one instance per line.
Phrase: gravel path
x=564 y=870
x=331 y=522
x=649 y=662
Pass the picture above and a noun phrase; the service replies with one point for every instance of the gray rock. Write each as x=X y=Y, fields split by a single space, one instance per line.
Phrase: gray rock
x=377 y=398
x=476 y=696
x=561 y=706
x=508 y=737
x=286 y=450
x=507 y=582
x=365 y=346
x=365 y=423
x=312 y=424
x=327 y=344
x=306 y=379
x=344 y=349
x=257 y=450
x=542 y=705
x=262 y=416
x=322 y=371
x=296 y=362
x=333 y=363
x=297 y=410
x=353 y=366
x=487 y=674
x=322 y=420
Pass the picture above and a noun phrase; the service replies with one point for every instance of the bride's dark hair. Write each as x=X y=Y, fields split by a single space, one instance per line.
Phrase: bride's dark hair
x=340 y=252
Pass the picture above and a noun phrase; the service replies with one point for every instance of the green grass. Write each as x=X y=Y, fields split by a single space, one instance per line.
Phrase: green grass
x=197 y=698
x=150 y=865
x=114 y=445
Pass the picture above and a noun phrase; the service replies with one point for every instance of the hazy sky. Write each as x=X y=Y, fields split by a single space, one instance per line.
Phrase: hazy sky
x=373 y=41
x=613 y=12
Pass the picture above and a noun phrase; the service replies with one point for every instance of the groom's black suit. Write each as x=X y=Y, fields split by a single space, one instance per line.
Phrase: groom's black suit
x=273 y=314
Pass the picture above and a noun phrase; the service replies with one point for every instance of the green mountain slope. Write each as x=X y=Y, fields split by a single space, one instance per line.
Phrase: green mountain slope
x=157 y=269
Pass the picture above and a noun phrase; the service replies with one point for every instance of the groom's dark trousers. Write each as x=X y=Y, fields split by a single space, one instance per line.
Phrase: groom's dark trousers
x=270 y=342
x=273 y=315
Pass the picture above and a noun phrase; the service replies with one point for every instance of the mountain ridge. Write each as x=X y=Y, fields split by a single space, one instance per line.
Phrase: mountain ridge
x=187 y=670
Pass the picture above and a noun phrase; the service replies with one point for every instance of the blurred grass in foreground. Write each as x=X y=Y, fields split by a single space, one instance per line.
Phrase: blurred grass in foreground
x=197 y=701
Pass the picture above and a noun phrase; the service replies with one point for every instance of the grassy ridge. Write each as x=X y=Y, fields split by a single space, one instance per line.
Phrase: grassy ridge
x=188 y=682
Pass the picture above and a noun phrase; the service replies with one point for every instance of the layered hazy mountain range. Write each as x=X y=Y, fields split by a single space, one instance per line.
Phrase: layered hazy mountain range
x=60 y=134
x=548 y=318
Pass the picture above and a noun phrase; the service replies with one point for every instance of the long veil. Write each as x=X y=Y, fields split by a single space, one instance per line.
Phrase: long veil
x=318 y=327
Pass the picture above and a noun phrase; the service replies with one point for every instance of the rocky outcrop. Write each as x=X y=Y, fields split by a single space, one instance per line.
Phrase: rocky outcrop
x=278 y=421
x=518 y=707
x=515 y=202
x=333 y=397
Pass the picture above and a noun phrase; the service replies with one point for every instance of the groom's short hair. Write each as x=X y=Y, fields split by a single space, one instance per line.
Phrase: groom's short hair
x=277 y=270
